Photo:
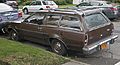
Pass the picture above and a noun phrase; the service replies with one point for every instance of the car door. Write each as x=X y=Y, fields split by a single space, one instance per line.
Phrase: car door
x=35 y=6
x=71 y=31
x=30 y=28
x=50 y=27
x=31 y=6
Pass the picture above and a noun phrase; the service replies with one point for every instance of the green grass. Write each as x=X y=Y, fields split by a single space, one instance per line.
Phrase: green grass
x=16 y=53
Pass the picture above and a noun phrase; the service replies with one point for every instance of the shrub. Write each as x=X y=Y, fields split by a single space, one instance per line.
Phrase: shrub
x=27 y=3
x=69 y=1
x=60 y=2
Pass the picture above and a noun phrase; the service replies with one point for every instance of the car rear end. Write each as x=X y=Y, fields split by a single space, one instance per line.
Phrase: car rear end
x=99 y=33
x=118 y=8
x=45 y=5
x=109 y=12
x=7 y=14
x=52 y=4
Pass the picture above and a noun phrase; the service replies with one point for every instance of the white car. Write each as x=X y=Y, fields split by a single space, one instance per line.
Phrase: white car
x=39 y=5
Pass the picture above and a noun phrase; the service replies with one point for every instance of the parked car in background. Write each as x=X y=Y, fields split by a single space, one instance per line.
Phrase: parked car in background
x=118 y=8
x=105 y=6
x=12 y=3
x=101 y=3
x=38 y=5
x=52 y=4
x=7 y=14
x=84 y=4
x=85 y=31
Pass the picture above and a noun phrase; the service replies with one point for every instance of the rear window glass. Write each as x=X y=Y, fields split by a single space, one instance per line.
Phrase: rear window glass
x=94 y=20
x=44 y=3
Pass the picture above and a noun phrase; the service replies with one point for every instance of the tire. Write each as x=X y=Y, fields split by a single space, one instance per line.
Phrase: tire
x=58 y=47
x=25 y=11
x=14 y=36
x=41 y=9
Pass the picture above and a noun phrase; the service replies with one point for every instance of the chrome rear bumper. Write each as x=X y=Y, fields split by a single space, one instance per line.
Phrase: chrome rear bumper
x=89 y=49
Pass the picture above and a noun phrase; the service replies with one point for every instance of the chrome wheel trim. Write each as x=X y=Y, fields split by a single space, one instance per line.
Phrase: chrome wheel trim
x=57 y=47
x=13 y=36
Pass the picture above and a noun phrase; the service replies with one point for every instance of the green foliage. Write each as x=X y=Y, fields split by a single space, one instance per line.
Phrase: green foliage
x=60 y=2
x=69 y=1
x=27 y=3
x=117 y=1
x=114 y=1
x=63 y=2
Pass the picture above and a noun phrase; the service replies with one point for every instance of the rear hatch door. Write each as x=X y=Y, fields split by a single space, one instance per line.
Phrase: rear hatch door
x=99 y=27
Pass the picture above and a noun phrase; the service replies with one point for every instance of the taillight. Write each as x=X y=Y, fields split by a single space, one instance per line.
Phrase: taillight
x=113 y=9
x=20 y=14
x=86 y=39
x=47 y=6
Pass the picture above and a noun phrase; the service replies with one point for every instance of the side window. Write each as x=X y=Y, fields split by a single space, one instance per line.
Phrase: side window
x=36 y=19
x=70 y=22
x=38 y=2
x=44 y=3
x=95 y=20
x=52 y=20
x=95 y=3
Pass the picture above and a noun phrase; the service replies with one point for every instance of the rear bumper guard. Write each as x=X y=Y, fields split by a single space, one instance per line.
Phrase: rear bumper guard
x=89 y=49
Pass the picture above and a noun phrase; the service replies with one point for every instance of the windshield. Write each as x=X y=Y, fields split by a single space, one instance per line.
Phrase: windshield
x=94 y=20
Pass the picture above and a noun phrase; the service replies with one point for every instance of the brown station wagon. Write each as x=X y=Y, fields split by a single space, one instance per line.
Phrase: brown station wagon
x=86 y=31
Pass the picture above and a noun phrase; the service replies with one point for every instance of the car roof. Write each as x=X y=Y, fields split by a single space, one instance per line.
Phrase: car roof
x=5 y=7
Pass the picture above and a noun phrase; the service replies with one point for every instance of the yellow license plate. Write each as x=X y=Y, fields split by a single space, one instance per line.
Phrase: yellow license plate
x=104 y=46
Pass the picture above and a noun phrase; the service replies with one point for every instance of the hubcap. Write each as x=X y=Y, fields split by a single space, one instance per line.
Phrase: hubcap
x=57 y=47
x=25 y=11
x=14 y=36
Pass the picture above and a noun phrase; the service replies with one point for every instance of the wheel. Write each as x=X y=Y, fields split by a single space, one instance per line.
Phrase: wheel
x=41 y=9
x=58 y=47
x=14 y=35
x=25 y=11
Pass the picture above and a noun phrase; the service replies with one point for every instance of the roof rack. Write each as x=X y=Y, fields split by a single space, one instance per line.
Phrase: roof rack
x=76 y=11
